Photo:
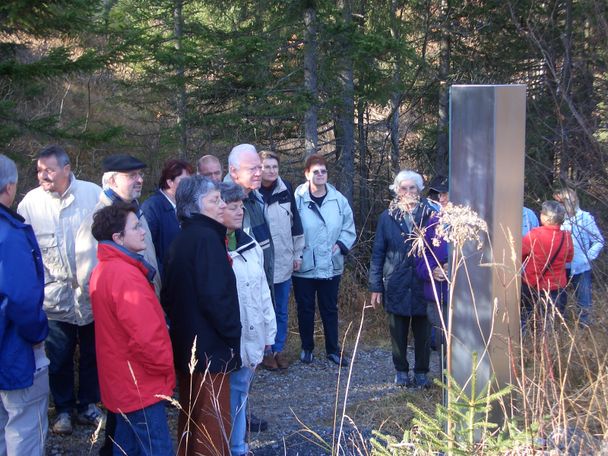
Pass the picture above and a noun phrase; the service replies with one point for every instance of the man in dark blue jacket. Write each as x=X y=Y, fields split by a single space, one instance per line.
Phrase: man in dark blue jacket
x=24 y=380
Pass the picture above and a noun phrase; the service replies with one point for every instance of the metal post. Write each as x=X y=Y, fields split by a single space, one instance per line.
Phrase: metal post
x=487 y=141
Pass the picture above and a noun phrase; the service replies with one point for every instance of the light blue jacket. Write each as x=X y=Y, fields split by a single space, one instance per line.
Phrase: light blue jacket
x=588 y=241
x=324 y=227
x=529 y=220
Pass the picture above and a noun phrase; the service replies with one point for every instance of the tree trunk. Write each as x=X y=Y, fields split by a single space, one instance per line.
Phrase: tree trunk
x=442 y=159
x=311 y=138
x=180 y=80
x=345 y=142
x=363 y=169
x=395 y=101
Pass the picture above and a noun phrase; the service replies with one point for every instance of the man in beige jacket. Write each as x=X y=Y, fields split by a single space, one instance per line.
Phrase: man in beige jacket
x=55 y=210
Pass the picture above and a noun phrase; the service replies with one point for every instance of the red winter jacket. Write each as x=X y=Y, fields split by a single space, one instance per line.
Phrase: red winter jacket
x=539 y=247
x=130 y=329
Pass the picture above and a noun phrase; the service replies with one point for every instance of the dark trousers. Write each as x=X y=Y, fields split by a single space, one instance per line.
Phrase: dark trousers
x=399 y=327
x=308 y=292
x=534 y=301
x=60 y=347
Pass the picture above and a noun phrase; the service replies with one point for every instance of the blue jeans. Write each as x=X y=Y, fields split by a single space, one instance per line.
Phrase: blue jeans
x=240 y=382
x=143 y=432
x=60 y=346
x=307 y=293
x=281 y=303
x=582 y=290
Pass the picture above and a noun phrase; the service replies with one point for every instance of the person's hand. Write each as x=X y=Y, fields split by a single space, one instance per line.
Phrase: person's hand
x=439 y=274
x=297 y=264
x=375 y=299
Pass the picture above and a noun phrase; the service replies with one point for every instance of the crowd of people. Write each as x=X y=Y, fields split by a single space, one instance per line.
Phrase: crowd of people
x=190 y=290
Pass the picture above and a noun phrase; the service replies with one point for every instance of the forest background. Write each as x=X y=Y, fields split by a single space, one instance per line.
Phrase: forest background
x=363 y=82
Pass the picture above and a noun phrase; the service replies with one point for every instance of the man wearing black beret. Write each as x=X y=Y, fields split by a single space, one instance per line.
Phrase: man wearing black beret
x=122 y=180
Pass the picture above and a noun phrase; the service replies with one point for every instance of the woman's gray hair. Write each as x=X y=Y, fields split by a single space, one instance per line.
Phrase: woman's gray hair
x=8 y=172
x=407 y=174
x=231 y=192
x=189 y=193
x=554 y=212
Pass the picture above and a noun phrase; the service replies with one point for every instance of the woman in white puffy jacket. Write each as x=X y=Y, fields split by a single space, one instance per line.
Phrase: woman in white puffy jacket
x=255 y=305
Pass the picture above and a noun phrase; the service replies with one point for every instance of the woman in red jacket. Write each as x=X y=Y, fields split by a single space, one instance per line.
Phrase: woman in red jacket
x=545 y=252
x=134 y=355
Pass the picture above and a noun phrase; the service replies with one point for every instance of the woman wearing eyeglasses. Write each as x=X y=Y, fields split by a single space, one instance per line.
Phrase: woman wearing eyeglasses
x=329 y=233
x=134 y=355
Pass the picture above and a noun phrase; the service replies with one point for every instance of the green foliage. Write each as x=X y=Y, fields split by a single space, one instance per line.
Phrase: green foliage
x=463 y=427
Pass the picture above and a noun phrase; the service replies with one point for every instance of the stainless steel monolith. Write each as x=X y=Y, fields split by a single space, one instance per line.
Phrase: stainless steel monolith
x=487 y=140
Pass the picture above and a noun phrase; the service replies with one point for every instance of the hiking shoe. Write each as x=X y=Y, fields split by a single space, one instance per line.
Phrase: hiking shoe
x=63 y=424
x=269 y=362
x=281 y=360
x=306 y=356
x=403 y=379
x=340 y=361
x=255 y=424
x=91 y=416
x=422 y=381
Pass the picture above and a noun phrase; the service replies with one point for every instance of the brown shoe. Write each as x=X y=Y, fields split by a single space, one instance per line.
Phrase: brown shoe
x=281 y=360
x=269 y=362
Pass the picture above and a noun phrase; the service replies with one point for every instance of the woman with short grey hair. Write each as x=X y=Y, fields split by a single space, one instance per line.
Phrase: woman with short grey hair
x=405 y=175
x=189 y=194
x=393 y=281
x=545 y=252
x=200 y=296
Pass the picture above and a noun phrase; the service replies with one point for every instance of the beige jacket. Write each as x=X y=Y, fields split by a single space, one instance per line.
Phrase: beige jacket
x=56 y=219
x=86 y=249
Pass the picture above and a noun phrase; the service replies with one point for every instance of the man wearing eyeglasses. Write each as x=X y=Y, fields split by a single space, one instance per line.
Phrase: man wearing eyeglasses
x=122 y=180
x=55 y=210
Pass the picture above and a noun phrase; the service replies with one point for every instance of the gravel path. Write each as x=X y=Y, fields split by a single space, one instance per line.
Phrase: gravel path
x=301 y=397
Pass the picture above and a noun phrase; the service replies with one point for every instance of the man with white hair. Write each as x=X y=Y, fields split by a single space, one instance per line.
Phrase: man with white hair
x=55 y=210
x=24 y=380
x=245 y=169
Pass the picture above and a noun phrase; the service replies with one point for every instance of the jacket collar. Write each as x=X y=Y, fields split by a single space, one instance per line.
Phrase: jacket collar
x=108 y=249
x=13 y=217
x=303 y=192
x=203 y=220
x=244 y=242
x=114 y=198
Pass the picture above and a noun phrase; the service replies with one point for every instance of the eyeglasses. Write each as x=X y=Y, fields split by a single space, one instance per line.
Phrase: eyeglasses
x=254 y=169
x=133 y=175
x=319 y=172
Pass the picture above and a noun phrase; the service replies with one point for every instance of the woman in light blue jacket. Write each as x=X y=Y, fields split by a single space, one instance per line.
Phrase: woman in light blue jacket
x=588 y=243
x=329 y=232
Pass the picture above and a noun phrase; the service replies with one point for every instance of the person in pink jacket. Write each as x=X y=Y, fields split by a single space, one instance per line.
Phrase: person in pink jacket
x=134 y=354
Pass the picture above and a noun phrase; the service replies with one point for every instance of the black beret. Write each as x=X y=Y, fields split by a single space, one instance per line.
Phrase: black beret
x=121 y=162
x=440 y=184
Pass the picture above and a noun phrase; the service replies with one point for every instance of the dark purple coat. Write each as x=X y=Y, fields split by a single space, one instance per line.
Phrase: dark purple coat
x=436 y=256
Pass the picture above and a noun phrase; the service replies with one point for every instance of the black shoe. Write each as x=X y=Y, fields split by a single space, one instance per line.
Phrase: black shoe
x=340 y=361
x=306 y=356
x=255 y=424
